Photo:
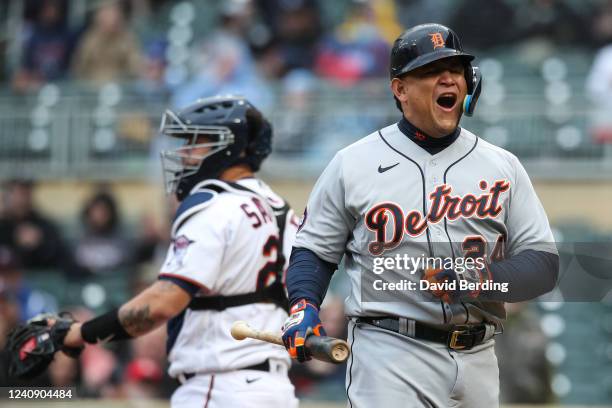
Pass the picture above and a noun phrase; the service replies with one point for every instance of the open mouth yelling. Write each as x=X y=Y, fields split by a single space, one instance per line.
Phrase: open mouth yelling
x=447 y=101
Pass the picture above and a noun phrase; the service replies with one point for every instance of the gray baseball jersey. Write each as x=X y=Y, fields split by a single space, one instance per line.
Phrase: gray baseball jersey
x=385 y=197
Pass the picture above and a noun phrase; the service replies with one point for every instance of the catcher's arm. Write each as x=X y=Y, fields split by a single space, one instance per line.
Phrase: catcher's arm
x=148 y=310
x=32 y=346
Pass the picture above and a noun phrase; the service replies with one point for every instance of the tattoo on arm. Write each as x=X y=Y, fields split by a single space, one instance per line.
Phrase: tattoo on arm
x=149 y=309
x=137 y=321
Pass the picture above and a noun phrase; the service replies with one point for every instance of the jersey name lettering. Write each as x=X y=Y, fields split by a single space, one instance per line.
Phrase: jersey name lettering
x=442 y=205
x=260 y=215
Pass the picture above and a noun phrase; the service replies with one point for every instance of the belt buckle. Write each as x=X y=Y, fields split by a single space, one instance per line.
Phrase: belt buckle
x=454 y=337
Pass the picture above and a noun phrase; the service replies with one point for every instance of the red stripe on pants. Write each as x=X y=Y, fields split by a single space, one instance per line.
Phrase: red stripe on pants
x=210 y=387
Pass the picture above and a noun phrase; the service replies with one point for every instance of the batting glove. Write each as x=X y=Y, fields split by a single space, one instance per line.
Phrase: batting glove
x=472 y=279
x=303 y=322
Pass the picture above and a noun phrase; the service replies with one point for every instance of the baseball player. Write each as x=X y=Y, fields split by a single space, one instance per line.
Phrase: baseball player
x=419 y=190
x=231 y=238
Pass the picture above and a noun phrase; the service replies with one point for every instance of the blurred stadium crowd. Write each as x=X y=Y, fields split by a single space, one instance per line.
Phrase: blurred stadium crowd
x=83 y=85
x=86 y=81
x=242 y=43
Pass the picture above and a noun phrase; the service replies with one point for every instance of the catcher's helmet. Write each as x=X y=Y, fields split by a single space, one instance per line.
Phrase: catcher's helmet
x=427 y=43
x=232 y=129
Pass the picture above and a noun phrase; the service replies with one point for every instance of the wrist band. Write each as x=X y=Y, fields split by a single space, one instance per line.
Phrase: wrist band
x=106 y=327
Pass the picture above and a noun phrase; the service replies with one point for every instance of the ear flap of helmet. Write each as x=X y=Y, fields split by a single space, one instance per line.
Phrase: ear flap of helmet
x=474 y=89
x=259 y=143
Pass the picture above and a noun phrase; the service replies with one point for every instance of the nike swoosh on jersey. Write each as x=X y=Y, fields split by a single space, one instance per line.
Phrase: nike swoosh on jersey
x=382 y=169
x=252 y=380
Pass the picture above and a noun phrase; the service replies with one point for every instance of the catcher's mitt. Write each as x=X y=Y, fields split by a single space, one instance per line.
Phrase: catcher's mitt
x=33 y=344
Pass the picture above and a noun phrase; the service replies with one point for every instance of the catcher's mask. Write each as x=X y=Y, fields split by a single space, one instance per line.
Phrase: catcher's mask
x=217 y=133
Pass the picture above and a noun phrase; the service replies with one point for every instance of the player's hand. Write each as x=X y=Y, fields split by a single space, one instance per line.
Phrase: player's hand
x=472 y=279
x=302 y=322
x=33 y=344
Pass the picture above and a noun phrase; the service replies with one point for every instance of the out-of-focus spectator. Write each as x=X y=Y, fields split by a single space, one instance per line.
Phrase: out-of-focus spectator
x=136 y=126
x=295 y=26
x=414 y=12
x=153 y=240
x=599 y=91
x=36 y=240
x=102 y=248
x=358 y=48
x=524 y=373
x=299 y=30
x=553 y=20
x=224 y=64
x=47 y=47
x=474 y=18
x=295 y=122
x=602 y=23
x=151 y=84
x=269 y=60
x=108 y=50
x=18 y=295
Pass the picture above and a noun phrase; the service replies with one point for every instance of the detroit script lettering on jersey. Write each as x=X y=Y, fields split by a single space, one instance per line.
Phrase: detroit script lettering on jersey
x=442 y=205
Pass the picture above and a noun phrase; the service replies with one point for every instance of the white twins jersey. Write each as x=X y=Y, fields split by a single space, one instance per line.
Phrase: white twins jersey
x=223 y=243
x=384 y=196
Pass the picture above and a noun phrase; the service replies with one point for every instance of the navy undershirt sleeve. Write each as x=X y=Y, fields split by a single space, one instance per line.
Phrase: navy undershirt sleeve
x=529 y=274
x=308 y=276
x=186 y=286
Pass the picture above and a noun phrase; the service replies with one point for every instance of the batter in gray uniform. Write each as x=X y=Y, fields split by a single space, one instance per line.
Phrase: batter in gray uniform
x=409 y=207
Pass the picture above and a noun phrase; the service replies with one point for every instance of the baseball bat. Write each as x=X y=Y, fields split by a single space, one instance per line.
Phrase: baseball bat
x=322 y=348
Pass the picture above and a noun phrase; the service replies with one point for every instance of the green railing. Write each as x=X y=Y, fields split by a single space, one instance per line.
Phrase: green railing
x=69 y=131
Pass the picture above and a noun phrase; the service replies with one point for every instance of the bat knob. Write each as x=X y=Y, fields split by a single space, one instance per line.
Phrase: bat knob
x=239 y=330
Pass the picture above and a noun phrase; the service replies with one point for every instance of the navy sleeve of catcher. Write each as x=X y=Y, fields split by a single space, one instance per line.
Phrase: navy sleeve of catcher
x=308 y=276
x=528 y=274
x=186 y=286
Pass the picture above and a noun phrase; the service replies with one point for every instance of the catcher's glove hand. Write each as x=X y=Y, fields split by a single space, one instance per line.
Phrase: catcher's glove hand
x=32 y=345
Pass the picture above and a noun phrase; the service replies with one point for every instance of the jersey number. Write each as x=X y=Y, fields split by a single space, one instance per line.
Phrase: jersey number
x=268 y=274
x=475 y=246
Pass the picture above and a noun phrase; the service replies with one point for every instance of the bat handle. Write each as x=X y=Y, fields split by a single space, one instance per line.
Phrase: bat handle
x=327 y=349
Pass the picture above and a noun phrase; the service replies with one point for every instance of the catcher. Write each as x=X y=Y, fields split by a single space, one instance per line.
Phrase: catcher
x=231 y=237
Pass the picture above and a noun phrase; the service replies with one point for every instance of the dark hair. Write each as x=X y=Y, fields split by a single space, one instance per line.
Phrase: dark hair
x=9 y=260
x=106 y=199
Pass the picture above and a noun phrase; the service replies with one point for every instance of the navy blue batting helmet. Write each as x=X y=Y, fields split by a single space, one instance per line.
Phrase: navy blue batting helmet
x=426 y=43
x=230 y=130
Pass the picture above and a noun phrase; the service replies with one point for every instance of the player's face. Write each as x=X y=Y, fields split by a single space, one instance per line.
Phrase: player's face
x=193 y=153
x=433 y=96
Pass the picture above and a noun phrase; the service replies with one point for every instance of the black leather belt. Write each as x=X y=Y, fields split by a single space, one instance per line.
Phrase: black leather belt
x=459 y=337
x=265 y=366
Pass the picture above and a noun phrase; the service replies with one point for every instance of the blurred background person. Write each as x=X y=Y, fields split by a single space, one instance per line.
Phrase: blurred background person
x=47 y=46
x=36 y=240
x=108 y=51
x=223 y=63
x=102 y=248
x=28 y=300
x=297 y=27
x=359 y=47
